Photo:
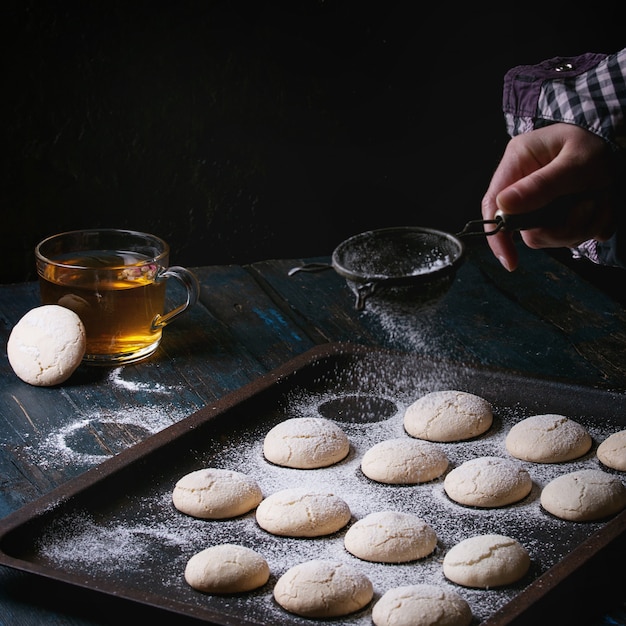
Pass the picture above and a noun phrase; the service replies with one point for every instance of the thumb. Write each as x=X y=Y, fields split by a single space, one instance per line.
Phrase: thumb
x=531 y=192
x=560 y=177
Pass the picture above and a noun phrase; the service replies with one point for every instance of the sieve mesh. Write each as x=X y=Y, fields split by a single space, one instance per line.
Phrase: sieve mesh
x=403 y=254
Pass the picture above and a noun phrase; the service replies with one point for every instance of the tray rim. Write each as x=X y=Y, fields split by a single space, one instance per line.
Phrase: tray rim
x=613 y=530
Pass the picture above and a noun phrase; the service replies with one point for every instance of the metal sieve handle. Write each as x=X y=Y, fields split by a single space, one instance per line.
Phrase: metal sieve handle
x=550 y=215
x=309 y=267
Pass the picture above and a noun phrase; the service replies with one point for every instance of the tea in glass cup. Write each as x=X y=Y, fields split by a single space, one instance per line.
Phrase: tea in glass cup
x=115 y=280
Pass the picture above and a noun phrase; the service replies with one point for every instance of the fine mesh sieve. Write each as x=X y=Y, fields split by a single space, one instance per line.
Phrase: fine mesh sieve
x=402 y=257
x=413 y=259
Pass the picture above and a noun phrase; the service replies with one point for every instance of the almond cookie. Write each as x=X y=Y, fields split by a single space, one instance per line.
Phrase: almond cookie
x=612 y=451
x=323 y=588
x=227 y=568
x=488 y=481
x=421 y=605
x=584 y=495
x=306 y=443
x=448 y=416
x=213 y=493
x=548 y=439
x=47 y=345
x=404 y=461
x=300 y=512
x=390 y=537
x=486 y=561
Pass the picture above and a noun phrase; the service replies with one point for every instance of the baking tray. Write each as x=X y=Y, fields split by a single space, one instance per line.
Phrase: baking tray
x=114 y=529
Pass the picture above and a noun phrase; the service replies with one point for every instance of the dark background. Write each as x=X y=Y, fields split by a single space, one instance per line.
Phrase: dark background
x=242 y=131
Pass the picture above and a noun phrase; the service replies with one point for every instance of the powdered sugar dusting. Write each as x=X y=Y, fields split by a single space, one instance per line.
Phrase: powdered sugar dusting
x=145 y=411
x=117 y=379
x=144 y=542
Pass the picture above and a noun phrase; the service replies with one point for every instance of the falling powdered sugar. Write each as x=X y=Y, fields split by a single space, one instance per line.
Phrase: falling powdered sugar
x=90 y=436
x=141 y=542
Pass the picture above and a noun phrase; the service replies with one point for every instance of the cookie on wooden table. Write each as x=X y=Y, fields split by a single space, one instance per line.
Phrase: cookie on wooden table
x=47 y=345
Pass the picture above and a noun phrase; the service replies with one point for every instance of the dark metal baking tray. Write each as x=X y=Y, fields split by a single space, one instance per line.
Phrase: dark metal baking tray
x=114 y=529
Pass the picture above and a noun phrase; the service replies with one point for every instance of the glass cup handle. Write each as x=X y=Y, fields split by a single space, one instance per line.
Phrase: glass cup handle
x=192 y=288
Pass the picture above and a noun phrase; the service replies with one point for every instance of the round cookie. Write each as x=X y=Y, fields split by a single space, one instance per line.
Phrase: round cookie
x=486 y=561
x=300 y=512
x=306 y=443
x=213 y=493
x=448 y=416
x=46 y=345
x=390 y=537
x=612 y=451
x=227 y=568
x=323 y=588
x=548 y=439
x=584 y=495
x=488 y=481
x=404 y=461
x=421 y=605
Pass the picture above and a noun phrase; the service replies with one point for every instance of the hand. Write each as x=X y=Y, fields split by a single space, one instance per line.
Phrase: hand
x=542 y=166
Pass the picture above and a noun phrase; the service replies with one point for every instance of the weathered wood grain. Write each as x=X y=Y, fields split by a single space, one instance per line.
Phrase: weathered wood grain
x=542 y=320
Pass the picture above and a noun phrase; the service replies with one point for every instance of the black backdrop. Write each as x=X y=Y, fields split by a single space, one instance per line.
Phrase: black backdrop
x=240 y=131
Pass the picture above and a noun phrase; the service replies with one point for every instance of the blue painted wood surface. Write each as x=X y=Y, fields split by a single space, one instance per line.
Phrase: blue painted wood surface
x=543 y=320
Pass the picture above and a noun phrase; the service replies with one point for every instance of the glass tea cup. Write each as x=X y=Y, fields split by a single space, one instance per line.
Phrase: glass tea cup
x=115 y=280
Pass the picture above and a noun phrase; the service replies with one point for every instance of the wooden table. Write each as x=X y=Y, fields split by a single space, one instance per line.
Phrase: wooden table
x=543 y=320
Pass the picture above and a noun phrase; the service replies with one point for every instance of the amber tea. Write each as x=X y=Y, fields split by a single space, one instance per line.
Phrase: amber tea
x=119 y=293
x=119 y=307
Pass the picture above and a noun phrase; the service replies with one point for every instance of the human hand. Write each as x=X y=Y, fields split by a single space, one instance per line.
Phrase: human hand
x=543 y=166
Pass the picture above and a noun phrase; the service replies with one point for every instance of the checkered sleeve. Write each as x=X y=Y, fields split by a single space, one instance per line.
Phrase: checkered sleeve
x=587 y=90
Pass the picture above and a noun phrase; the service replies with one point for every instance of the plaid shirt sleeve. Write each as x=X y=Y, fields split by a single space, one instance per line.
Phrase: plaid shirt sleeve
x=587 y=90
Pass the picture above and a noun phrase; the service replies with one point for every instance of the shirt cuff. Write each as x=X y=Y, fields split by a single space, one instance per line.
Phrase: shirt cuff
x=611 y=253
x=523 y=83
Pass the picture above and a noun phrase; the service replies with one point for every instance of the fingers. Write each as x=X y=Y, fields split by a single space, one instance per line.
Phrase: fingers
x=545 y=166
x=588 y=216
x=501 y=243
x=504 y=250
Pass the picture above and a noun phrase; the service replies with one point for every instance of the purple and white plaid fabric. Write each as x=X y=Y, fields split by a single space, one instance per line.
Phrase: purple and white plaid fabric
x=588 y=90
x=595 y=100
